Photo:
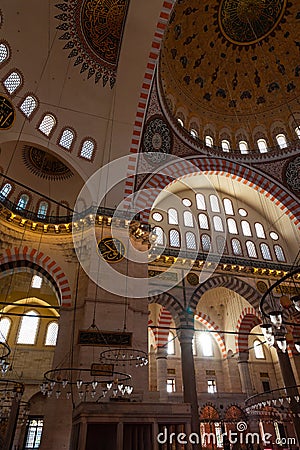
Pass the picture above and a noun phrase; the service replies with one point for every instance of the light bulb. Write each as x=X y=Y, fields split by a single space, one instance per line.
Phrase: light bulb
x=266 y=329
x=276 y=318
x=281 y=342
x=81 y=394
x=109 y=386
x=296 y=301
x=68 y=395
x=297 y=345
x=64 y=383
x=58 y=393
x=79 y=384
x=94 y=384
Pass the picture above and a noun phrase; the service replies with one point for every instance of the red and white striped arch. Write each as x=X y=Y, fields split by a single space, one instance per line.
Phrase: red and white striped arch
x=162 y=334
x=211 y=325
x=144 y=95
x=39 y=261
x=221 y=167
x=248 y=319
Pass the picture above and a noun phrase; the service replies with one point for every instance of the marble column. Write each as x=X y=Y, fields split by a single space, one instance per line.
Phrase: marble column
x=244 y=371
x=162 y=372
x=289 y=381
x=186 y=336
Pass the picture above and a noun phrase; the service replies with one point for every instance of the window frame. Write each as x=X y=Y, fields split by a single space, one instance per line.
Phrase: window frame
x=15 y=91
x=34 y=110
x=47 y=114
x=55 y=322
x=37 y=316
x=72 y=131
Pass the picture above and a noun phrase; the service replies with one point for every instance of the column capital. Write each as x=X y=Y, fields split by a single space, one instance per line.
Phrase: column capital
x=161 y=352
x=186 y=335
x=243 y=357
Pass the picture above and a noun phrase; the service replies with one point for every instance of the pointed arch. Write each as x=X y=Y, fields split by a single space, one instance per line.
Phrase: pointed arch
x=34 y=259
x=248 y=319
x=211 y=325
x=181 y=169
x=234 y=284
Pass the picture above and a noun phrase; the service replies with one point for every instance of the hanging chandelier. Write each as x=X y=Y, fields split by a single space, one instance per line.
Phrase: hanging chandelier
x=4 y=353
x=124 y=357
x=94 y=383
x=280 y=311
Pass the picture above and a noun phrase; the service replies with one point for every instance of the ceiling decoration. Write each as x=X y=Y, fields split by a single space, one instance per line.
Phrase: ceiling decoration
x=292 y=175
x=7 y=113
x=94 y=30
x=231 y=61
x=45 y=165
x=249 y=21
x=157 y=140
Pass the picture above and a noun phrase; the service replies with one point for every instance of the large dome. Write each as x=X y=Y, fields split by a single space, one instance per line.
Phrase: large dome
x=243 y=58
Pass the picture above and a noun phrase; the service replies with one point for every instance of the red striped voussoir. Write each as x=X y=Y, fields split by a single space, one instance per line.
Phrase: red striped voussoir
x=248 y=319
x=43 y=261
x=144 y=96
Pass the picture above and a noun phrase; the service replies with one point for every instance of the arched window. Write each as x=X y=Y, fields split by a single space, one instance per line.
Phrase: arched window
x=172 y=216
x=218 y=224
x=4 y=52
x=28 y=105
x=209 y=142
x=23 y=201
x=246 y=228
x=262 y=145
x=180 y=121
x=171 y=343
x=12 y=82
x=43 y=208
x=258 y=349
x=174 y=238
x=5 y=190
x=200 y=201
x=203 y=221
x=28 y=328
x=228 y=206
x=5 y=325
x=188 y=219
x=265 y=252
x=259 y=229
x=251 y=250
x=36 y=282
x=205 y=242
x=221 y=245
x=47 y=124
x=206 y=344
x=194 y=133
x=51 y=334
x=243 y=146
x=281 y=140
x=297 y=131
x=190 y=240
x=236 y=247
x=157 y=217
x=232 y=228
x=225 y=145
x=279 y=253
x=66 y=139
x=214 y=203
x=160 y=235
x=87 y=149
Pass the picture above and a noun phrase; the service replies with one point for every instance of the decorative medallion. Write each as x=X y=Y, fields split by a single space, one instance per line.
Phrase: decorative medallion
x=248 y=21
x=261 y=287
x=45 y=165
x=292 y=174
x=7 y=113
x=193 y=279
x=157 y=140
x=111 y=249
x=94 y=30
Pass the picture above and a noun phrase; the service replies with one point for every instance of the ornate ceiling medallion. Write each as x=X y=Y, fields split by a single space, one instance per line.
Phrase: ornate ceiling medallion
x=94 y=30
x=157 y=140
x=45 y=165
x=292 y=175
x=246 y=22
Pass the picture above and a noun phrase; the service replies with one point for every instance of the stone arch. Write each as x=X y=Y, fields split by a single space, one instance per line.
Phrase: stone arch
x=234 y=284
x=248 y=319
x=211 y=325
x=182 y=318
x=208 y=412
x=144 y=95
x=40 y=262
x=153 y=185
